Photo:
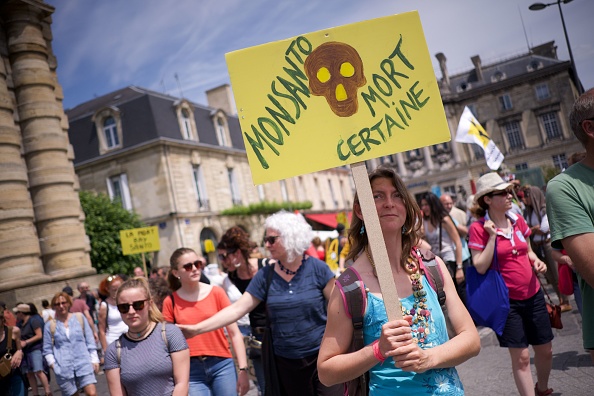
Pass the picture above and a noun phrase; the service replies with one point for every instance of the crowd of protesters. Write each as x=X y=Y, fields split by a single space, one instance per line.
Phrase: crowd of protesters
x=288 y=317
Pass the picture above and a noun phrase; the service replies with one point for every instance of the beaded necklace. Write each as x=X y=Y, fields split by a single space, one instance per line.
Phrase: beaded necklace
x=419 y=312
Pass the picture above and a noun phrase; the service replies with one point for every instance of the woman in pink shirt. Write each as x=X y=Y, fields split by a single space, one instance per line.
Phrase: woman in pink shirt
x=501 y=232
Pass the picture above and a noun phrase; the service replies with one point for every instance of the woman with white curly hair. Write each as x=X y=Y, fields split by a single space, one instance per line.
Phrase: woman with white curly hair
x=295 y=288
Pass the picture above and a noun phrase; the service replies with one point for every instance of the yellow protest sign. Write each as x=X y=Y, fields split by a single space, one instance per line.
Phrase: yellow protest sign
x=336 y=97
x=140 y=240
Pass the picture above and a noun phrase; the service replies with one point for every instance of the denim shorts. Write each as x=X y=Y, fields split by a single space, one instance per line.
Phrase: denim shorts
x=71 y=385
x=33 y=362
x=212 y=375
x=527 y=323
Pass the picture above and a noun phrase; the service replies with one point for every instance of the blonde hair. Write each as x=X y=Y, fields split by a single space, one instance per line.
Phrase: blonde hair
x=140 y=282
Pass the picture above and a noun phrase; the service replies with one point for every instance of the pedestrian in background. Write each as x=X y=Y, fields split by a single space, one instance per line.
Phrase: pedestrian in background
x=69 y=348
x=31 y=326
x=47 y=313
x=111 y=325
x=500 y=232
x=152 y=357
x=11 y=384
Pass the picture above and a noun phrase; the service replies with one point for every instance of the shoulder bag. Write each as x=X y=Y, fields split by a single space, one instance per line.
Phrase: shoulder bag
x=5 y=361
x=487 y=296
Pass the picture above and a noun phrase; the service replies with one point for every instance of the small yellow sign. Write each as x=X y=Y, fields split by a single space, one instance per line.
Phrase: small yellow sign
x=336 y=97
x=140 y=240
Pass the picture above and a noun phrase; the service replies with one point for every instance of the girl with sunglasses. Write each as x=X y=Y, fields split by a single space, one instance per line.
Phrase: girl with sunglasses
x=152 y=357
x=212 y=370
x=69 y=348
x=295 y=288
x=111 y=325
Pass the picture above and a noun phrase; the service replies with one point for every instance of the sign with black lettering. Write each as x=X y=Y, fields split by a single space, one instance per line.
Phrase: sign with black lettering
x=336 y=97
x=140 y=240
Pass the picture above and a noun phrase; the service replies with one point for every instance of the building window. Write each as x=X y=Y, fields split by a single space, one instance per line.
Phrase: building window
x=560 y=161
x=234 y=186
x=117 y=188
x=186 y=125
x=542 y=91
x=550 y=123
x=332 y=194
x=514 y=135
x=522 y=166
x=111 y=133
x=440 y=148
x=451 y=190
x=284 y=193
x=318 y=193
x=478 y=152
x=506 y=102
x=200 y=188
x=416 y=153
x=221 y=132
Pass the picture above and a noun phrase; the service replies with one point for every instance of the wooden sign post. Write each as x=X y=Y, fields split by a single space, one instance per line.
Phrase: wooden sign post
x=140 y=240
x=336 y=97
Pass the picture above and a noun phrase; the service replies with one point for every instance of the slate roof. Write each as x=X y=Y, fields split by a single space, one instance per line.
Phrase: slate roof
x=146 y=115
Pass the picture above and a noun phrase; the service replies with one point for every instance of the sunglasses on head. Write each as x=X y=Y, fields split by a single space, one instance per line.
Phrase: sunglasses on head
x=502 y=192
x=271 y=239
x=198 y=264
x=137 y=305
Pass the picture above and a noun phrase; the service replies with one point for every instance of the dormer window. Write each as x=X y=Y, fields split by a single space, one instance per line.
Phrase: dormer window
x=221 y=131
x=498 y=76
x=110 y=131
x=185 y=119
x=186 y=126
x=108 y=125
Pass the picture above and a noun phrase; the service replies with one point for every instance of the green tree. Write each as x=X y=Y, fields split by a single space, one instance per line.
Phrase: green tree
x=104 y=221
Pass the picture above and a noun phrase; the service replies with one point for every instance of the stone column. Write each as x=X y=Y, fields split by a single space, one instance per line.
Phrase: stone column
x=428 y=160
x=20 y=262
x=402 y=171
x=64 y=246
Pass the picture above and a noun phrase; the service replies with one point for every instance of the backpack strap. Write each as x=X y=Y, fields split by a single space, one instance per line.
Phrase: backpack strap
x=173 y=306
x=435 y=277
x=119 y=350
x=79 y=317
x=354 y=298
x=9 y=339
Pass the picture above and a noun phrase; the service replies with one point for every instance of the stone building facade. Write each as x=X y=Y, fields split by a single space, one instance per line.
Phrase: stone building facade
x=523 y=102
x=42 y=236
x=178 y=164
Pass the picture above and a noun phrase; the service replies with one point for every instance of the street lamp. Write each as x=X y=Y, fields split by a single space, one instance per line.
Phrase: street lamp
x=542 y=6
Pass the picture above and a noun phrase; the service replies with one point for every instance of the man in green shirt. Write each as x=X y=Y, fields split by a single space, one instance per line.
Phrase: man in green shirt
x=570 y=210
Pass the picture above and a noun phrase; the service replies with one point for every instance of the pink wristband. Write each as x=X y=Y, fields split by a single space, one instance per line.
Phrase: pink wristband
x=376 y=351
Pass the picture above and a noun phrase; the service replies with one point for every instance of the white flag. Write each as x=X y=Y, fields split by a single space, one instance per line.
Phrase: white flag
x=471 y=131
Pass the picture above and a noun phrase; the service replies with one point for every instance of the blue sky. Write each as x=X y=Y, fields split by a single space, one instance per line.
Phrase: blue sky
x=105 y=45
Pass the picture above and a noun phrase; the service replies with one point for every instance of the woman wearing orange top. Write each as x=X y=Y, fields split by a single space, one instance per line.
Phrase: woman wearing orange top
x=212 y=371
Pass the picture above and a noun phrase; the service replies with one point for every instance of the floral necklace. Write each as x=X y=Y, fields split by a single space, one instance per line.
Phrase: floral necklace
x=419 y=312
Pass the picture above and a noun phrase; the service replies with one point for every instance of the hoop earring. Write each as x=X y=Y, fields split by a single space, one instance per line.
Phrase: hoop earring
x=362 y=231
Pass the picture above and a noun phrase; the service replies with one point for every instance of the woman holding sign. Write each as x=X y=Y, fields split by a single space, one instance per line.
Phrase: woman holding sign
x=412 y=355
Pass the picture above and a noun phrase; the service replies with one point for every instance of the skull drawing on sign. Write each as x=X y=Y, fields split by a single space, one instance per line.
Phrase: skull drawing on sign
x=335 y=71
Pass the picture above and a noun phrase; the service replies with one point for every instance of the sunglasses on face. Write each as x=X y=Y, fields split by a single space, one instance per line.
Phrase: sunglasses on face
x=198 y=264
x=271 y=239
x=223 y=256
x=137 y=305
x=503 y=192
x=59 y=304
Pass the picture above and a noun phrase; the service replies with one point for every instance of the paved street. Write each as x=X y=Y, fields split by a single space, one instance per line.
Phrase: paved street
x=490 y=372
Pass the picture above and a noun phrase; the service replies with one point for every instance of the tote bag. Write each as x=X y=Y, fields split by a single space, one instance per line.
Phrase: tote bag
x=487 y=296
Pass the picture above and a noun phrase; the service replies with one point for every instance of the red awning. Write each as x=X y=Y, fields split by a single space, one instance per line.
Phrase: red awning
x=327 y=219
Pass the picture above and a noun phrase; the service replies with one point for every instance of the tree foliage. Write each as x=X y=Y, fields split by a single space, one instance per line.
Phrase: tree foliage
x=104 y=221
x=265 y=208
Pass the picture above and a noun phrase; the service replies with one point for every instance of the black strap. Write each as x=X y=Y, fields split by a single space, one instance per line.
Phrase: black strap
x=173 y=307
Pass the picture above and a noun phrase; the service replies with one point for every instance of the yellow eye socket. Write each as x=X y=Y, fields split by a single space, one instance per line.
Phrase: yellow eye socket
x=347 y=70
x=323 y=75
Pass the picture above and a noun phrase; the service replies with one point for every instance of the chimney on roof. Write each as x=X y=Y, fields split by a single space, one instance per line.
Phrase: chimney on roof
x=221 y=97
x=445 y=77
x=476 y=61
x=548 y=50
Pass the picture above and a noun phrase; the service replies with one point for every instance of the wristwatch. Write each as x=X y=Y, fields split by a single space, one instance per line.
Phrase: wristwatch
x=243 y=369
x=459 y=266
